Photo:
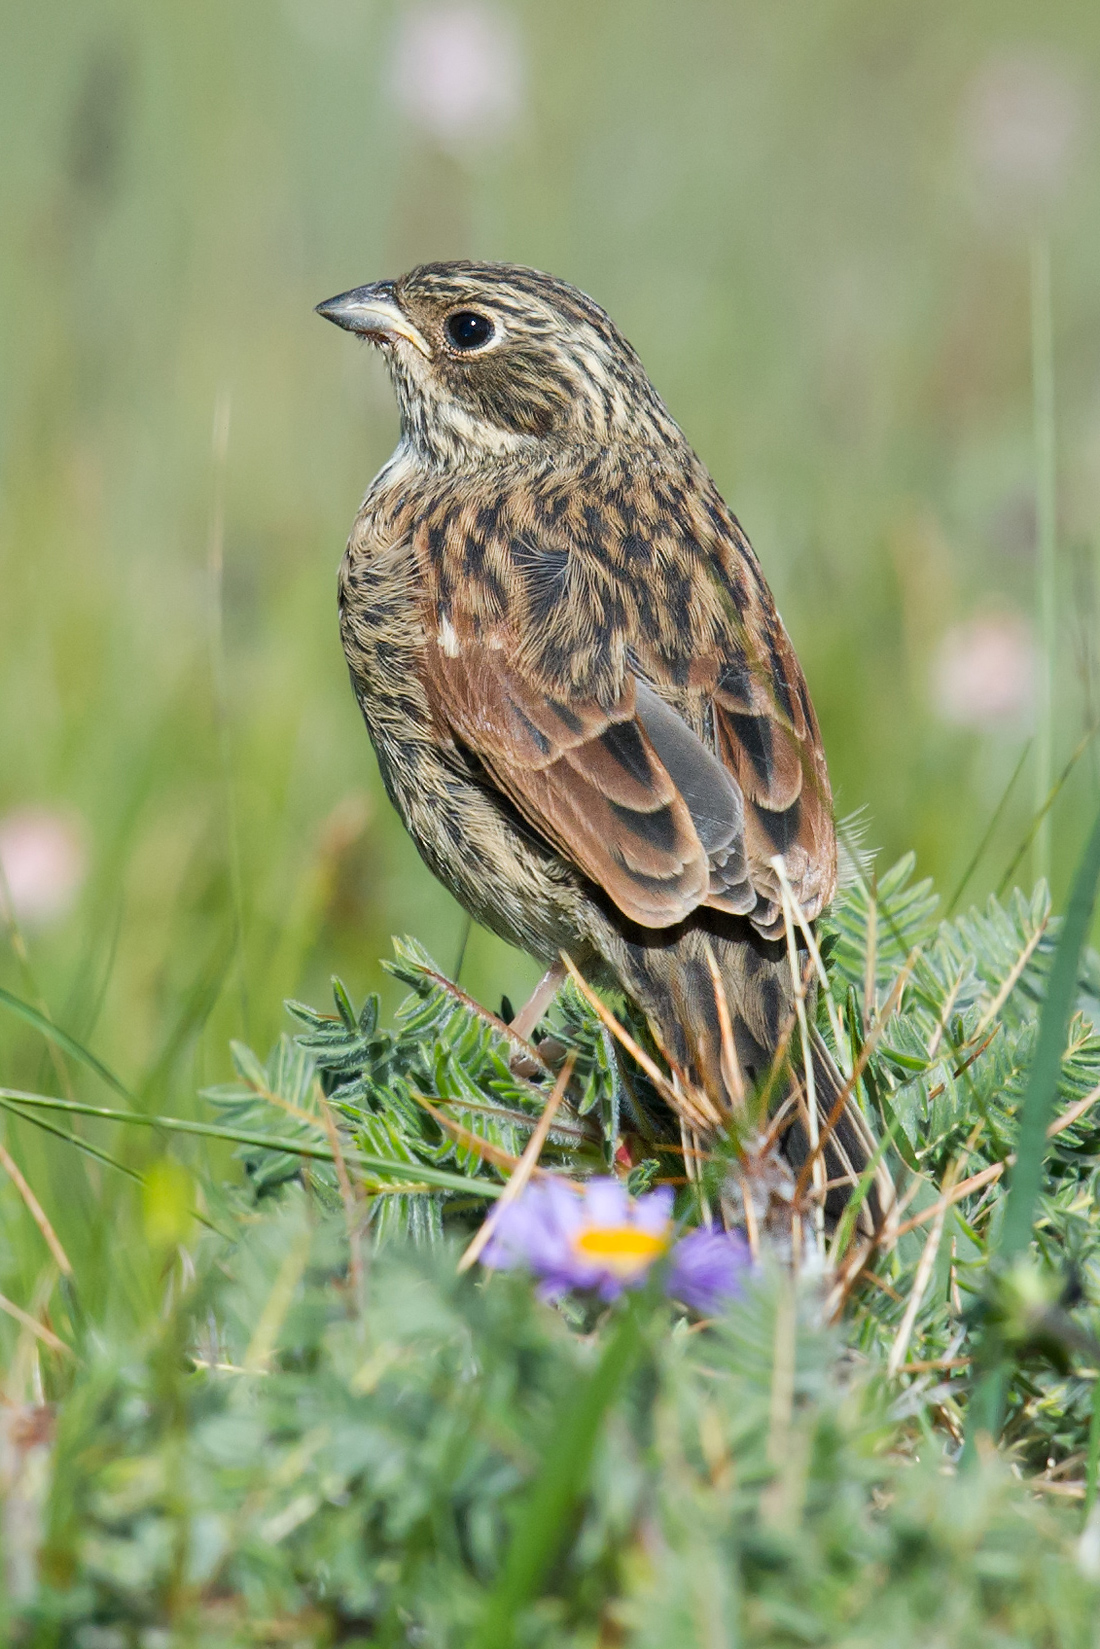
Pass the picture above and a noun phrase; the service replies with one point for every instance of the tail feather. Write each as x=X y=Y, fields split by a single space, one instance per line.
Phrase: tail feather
x=703 y=987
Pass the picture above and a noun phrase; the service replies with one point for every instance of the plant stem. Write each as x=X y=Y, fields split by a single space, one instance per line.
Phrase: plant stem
x=987 y=1403
x=1093 y=1469
x=544 y=1516
x=1046 y=530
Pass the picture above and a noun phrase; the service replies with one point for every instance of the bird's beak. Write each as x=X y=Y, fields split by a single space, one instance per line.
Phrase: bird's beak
x=373 y=312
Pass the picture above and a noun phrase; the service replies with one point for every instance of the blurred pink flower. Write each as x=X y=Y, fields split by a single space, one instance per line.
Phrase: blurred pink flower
x=43 y=858
x=1022 y=114
x=457 y=70
x=984 y=674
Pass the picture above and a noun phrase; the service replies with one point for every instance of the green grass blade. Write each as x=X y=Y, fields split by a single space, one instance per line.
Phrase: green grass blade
x=859 y=1196
x=987 y=1403
x=70 y=1139
x=1045 y=808
x=1042 y=1085
x=416 y=1172
x=987 y=837
x=1046 y=529
x=61 y=1039
x=544 y=1518
x=1092 y=1471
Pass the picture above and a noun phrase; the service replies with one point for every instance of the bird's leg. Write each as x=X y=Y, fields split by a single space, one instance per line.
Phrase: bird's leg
x=525 y=1021
x=537 y=1003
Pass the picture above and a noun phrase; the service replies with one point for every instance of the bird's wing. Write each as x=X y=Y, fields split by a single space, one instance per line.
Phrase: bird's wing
x=766 y=734
x=650 y=721
x=586 y=776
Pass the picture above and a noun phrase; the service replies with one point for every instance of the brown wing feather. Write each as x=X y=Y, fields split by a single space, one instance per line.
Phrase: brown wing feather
x=777 y=757
x=586 y=778
x=608 y=649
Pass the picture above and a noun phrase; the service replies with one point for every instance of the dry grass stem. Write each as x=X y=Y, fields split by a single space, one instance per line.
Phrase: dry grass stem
x=752 y=1229
x=810 y=937
x=524 y=1168
x=484 y=1148
x=33 y=1326
x=689 y=1153
x=923 y=1275
x=957 y=1192
x=1073 y=1112
x=731 y=1065
x=860 y=1065
x=36 y=1211
x=689 y=1101
x=518 y=1042
x=816 y=1160
x=989 y=1175
x=779 y=1059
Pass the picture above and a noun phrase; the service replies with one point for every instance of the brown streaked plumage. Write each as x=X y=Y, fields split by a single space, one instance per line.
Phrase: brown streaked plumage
x=585 y=706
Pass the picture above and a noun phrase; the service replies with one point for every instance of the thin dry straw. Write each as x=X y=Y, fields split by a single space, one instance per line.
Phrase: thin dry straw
x=518 y=1042
x=36 y=1211
x=988 y=1175
x=484 y=1148
x=865 y=1052
x=46 y=1335
x=812 y=946
x=923 y=1276
x=689 y=1101
x=524 y=1168
x=812 y=1119
x=886 y=1238
x=731 y=1065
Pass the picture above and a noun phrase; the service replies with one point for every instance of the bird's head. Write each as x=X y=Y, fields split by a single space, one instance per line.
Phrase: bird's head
x=489 y=358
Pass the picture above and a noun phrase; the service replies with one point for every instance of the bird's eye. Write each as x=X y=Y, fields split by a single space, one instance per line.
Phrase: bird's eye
x=468 y=330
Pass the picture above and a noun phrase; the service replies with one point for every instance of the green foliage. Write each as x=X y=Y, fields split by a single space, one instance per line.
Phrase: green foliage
x=348 y=1470
x=256 y=1440
x=948 y=1074
x=445 y=1050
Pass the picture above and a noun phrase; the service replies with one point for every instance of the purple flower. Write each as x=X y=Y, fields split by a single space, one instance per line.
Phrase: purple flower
x=599 y=1239
x=708 y=1269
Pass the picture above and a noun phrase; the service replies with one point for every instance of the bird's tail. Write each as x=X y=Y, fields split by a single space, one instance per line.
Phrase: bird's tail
x=721 y=1003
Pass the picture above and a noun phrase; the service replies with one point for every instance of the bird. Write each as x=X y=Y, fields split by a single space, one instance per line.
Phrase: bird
x=584 y=704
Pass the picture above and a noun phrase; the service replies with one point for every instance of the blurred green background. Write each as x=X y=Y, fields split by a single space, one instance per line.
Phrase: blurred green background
x=813 y=220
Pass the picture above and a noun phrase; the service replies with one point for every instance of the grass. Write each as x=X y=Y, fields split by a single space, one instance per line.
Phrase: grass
x=256 y=1422
x=164 y=173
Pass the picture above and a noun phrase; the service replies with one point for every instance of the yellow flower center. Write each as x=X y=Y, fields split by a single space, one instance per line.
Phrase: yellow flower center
x=621 y=1249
